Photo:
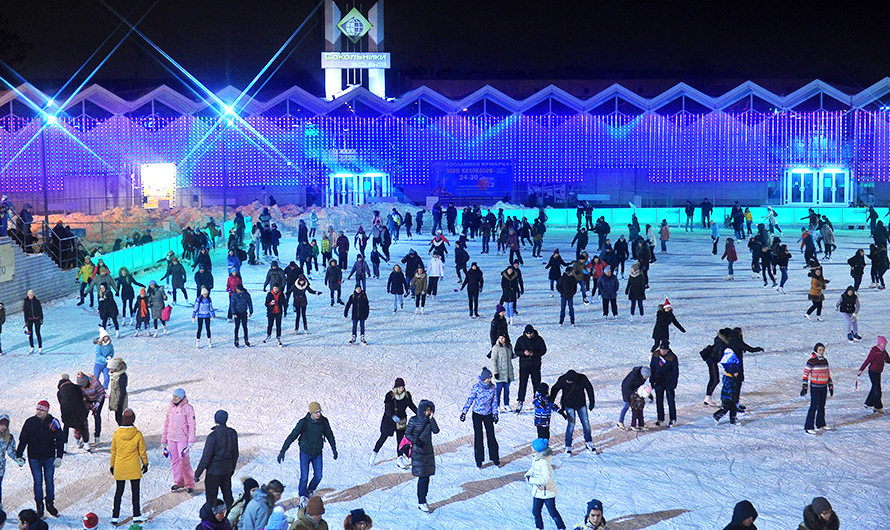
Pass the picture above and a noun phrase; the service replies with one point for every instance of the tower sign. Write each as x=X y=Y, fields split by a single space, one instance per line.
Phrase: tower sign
x=359 y=61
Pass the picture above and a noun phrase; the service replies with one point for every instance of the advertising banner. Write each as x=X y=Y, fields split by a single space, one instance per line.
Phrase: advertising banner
x=7 y=263
x=484 y=179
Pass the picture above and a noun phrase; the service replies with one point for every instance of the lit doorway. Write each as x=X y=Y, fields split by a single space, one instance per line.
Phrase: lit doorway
x=827 y=186
x=357 y=188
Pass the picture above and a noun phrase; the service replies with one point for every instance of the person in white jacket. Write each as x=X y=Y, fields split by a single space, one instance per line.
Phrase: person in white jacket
x=177 y=440
x=540 y=476
x=435 y=270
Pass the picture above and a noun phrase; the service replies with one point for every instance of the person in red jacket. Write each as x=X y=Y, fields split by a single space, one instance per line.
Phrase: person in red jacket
x=875 y=363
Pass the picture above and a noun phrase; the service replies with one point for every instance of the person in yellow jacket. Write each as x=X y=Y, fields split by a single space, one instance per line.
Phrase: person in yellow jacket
x=128 y=462
x=84 y=275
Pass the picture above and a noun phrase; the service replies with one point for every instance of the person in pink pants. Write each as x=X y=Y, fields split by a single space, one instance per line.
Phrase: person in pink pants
x=177 y=440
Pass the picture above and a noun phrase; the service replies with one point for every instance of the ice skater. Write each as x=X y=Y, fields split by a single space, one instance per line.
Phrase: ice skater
x=875 y=361
x=817 y=379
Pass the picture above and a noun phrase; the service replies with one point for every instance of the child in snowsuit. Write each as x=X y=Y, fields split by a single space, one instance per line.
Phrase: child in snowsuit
x=543 y=408
x=637 y=404
x=540 y=476
x=729 y=396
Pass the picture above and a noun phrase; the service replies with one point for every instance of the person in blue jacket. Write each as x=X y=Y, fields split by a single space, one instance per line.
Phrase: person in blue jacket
x=485 y=414
x=203 y=312
x=608 y=286
x=665 y=371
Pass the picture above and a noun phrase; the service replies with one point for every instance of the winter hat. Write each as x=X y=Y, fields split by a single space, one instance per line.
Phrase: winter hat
x=218 y=507
x=607 y=269
x=277 y=521
x=180 y=393
x=274 y=263
x=82 y=379
x=153 y=283
x=315 y=506
x=594 y=504
x=665 y=344
x=134 y=526
x=90 y=520
x=486 y=374
x=221 y=417
x=729 y=357
x=499 y=308
x=314 y=407
x=103 y=333
x=529 y=329
x=4 y=420
x=399 y=382
x=43 y=405
x=249 y=484
x=882 y=340
x=571 y=376
x=540 y=444
x=204 y=291
x=116 y=364
x=358 y=515
x=666 y=304
x=644 y=391
x=544 y=389
x=65 y=377
x=142 y=291
x=821 y=504
x=645 y=371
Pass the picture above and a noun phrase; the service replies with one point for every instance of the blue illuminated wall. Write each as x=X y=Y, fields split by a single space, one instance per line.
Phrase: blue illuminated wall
x=287 y=144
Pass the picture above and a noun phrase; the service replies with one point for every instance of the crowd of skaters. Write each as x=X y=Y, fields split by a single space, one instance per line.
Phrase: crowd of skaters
x=596 y=274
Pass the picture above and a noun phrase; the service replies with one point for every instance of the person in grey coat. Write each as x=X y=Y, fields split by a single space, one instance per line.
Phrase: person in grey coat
x=420 y=432
x=157 y=297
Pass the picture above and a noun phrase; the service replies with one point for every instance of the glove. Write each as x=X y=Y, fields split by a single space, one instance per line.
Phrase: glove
x=497 y=376
x=197 y=477
x=193 y=320
x=496 y=418
x=281 y=457
x=20 y=461
x=395 y=419
x=335 y=453
x=463 y=416
x=854 y=316
x=111 y=469
x=803 y=391
x=144 y=468
x=831 y=390
x=563 y=414
x=166 y=452
x=419 y=444
x=57 y=463
x=185 y=450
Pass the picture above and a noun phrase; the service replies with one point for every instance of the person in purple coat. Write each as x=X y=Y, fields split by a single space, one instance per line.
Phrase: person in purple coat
x=485 y=413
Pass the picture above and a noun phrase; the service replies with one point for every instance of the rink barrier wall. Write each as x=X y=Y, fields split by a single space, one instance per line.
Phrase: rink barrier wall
x=151 y=254
x=619 y=218
x=38 y=272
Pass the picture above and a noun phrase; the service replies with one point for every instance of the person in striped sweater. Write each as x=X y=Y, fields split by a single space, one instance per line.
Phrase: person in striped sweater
x=817 y=377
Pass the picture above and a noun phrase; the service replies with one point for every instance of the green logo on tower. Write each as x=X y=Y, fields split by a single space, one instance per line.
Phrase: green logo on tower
x=354 y=25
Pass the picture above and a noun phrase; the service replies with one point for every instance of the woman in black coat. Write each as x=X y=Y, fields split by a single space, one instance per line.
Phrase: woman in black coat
x=636 y=290
x=397 y=286
x=108 y=308
x=499 y=325
x=663 y=319
x=73 y=410
x=301 y=287
x=420 y=432
x=358 y=302
x=33 y=320
x=395 y=419
x=556 y=266
x=474 y=282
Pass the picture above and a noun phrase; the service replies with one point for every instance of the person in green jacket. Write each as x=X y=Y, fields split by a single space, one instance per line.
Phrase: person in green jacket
x=311 y=432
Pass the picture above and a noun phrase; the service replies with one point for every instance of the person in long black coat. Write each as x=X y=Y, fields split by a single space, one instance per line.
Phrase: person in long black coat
x=474 y=282
x=530 y=348
x=358 y=302
x=663 y=319
x=397 y=286
x=33 y=313
x=420 y=432
x=555 y=265
x=499 y=325
x=396 y=404
x=73 y=410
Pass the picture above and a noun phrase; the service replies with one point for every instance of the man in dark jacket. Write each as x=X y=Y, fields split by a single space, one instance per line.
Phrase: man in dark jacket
x=819 y=516
x=42 y=435
x=743 y=517
x=73 y=411
x=739 y=347
x=242 y=309
x=310 y=434
x=580 y=242
x=567 y=286
x=474 y=282
x=342 y=245
x=412 y=262
x=203 y=278
x=530 y=348
x=219 y=459
x=358 y=302
x=275 y=276
x=573 y=387
x=665 y=375
x=629 y=385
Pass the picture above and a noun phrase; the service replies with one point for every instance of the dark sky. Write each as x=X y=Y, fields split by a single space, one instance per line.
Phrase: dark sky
x=845 y=42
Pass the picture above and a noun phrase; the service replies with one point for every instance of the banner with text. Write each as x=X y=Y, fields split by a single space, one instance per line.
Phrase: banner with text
x=490 y=179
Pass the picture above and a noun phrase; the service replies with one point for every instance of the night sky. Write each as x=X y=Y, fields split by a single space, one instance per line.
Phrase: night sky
x=228 y=42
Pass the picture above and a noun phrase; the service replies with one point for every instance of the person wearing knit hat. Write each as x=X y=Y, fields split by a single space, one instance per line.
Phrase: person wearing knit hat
x=117 y=389
x=530 y=348
x=608 y=287
x=594 y=519
x=310 y=432
x=396 y=403
x=540 y=477
x=485 y=414
x=177 y=439
x=819 y=515
x=241 y=502
x=309 y=517
x=875 y=361
x=42 y=436
x=90 y=521
x=663 y=319
x=73 y=412
x=129 y=462
x=357 y=520
x=277 y=521
x=218 y=459
x=203 y=312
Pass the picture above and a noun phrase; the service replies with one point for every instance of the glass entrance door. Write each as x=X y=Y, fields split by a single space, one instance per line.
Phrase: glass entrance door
x=341 y=189
x=835 y=187
x=805 y=186
x=800 y=186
